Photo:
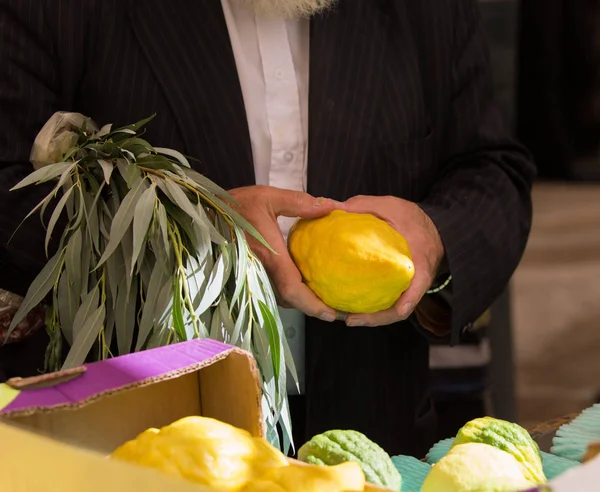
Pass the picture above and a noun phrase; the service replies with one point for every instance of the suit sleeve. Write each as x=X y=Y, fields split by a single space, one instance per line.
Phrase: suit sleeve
x=29 y=95
x=481 y=201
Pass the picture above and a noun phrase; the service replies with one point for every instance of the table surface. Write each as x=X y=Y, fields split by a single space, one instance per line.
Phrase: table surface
x=544 y=433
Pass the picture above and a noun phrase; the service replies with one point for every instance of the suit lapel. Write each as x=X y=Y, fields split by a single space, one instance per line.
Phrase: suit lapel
x=346 y=54
x=193 y=60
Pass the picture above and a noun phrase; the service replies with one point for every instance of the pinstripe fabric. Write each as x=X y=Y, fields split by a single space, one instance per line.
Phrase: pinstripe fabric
x=400 y=104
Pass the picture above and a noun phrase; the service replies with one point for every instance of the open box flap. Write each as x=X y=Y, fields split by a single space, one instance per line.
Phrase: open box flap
x=83 y=385
x=104 y=404
x=32 y=463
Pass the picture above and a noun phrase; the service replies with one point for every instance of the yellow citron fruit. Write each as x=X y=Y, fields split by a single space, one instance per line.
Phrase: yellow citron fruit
x=355 y=263
x=204 y=450
x=345 y=477
x=476 y=467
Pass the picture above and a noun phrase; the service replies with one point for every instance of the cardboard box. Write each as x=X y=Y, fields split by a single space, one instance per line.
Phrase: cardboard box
x=60 y=427
x=104 y=404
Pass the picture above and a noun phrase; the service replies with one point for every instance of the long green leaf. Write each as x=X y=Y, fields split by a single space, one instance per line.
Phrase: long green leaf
x=145 y=272
x=164 y=306
x=157 y=162
x=122 y=221
x=73 y=263
x=43 y=175
x=226 y=319
x=242 y=318
x=184 y=203
x=289 y=361
x=262 y=344
x=93 y=214
x=38 y=289
x=147 y=322
x=44 y=203
x=109 y=325
x=55 y=216
x=286 y=427
x=77 y=201
x=107 y=169
x=112 y=205
x=216 y=325
x=243 y=223
x=125 y=310
x=105 y=130
x=144 y=211
x=214 y=286
x=85 y=339
x=161 y=213
x=159 y=337
x=67 y=307
x=116 y=272
x=64 y=181
x=130 y=172
x=177 y=310
x=137 y=146
x=69 y=294
x=89 y=304
x=241 y=266
x=136 y=126
x=175 y=154
x=271 y=431
x=215 y=236
x=207 y=184
x=127 y=247
x=273 y=335
x=186 y=224
x=265 y=364
x=196 y=279
x=86 y=265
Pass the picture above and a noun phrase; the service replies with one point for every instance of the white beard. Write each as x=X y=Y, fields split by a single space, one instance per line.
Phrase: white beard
x=290 y=9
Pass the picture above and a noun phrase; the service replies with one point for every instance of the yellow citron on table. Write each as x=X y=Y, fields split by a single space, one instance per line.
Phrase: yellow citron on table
x=355 y=263
x=218 y=455
x=476 y=467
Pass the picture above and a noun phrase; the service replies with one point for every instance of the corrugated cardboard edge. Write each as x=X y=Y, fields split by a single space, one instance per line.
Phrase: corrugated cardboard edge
x=262 y=432
x=154 y=380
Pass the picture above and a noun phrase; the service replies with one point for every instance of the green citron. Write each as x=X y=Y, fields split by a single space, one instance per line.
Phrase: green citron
x=340 y=446
x=476 y=467
x=508 y=437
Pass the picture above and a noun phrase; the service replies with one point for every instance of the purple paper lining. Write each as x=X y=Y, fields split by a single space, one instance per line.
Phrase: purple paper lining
x=109 y=375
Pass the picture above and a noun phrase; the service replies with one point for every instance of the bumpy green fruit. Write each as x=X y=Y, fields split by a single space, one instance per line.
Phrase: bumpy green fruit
x=339 y=446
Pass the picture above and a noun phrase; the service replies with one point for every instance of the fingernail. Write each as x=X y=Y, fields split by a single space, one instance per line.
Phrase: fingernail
x=320 y=201
x=407 y=309
x=355 y=322
x=329 y=317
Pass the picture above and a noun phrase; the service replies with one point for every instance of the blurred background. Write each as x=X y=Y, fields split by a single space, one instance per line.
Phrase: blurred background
x=536 y=355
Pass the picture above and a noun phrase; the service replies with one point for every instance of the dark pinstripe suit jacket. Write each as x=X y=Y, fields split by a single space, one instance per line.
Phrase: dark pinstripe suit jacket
x=400 y=104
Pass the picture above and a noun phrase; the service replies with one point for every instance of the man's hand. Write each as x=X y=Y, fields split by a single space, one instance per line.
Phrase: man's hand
x=261 y=205
x=425 y=245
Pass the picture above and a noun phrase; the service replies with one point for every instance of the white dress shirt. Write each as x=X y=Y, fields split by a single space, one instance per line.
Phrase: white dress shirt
x=272 y=59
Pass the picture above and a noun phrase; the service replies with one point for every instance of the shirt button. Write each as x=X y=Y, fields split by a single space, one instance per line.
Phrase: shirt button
x=288 y=156
x=290 y=332
x=279 y=73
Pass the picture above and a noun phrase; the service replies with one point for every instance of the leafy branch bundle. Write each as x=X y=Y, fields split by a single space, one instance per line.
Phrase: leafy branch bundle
x=152 y=254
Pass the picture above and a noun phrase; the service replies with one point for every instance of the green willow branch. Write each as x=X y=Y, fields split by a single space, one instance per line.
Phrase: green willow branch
x=153 y=253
